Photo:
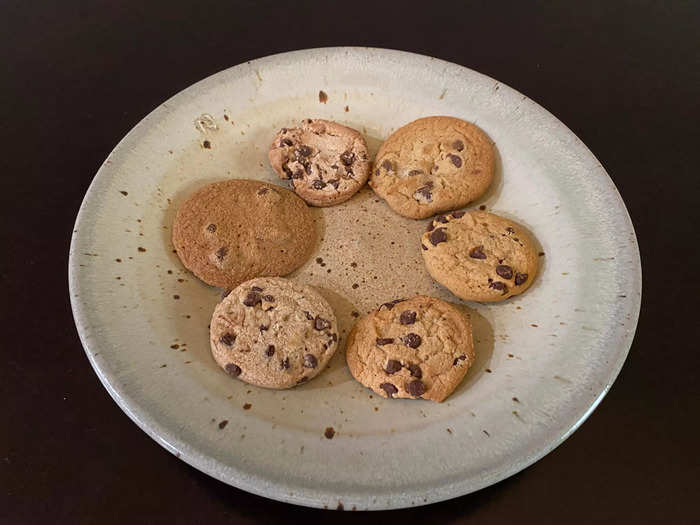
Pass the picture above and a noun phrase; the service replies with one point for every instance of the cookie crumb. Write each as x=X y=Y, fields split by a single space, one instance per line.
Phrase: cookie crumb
x=125 y=193
x=347 y=108
x=141 y=249
x=247 y=406
x=175 y=346
x=322 y=97
x=223 y=424
x=329 y=433
x=206 y=144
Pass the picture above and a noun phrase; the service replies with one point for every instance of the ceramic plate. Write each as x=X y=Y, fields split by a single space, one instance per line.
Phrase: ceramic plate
x=545 y=359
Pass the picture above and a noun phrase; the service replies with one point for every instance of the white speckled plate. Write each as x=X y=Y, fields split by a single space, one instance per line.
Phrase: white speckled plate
x=545 y=359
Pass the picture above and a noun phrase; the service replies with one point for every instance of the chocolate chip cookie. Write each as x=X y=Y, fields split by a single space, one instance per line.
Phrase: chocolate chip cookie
x=479 y=256
x=273 y=333
x=231 y=231
x=326 y=163
x=431 y=165
x=420 y=347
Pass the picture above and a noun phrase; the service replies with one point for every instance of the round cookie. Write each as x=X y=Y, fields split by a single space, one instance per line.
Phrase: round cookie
x=325 y=162
x=273 y=333
x=479 y=256
x=231 y=231
x=420 y=347
x=431 y=165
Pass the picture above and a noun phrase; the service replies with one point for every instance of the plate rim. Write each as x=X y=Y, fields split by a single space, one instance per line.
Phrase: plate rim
x=250 y=481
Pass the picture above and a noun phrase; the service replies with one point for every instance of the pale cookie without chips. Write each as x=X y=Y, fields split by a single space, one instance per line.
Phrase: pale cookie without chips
x=273 y=333
x=231 y=231
x=326 y=163
x=420 y=347
x=479 y=256
x=431 y=165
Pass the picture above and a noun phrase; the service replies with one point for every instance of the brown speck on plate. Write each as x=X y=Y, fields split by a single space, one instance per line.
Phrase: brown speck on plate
x=347 y=108
x=141 y=249
x=247 y=406
x=206 y=144
x=322 y=97
x=125 y=193
x=329 y=433
x=175 y=346
x=176 y=296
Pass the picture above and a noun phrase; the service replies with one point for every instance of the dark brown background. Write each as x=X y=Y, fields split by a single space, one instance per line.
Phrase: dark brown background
x=76 y=76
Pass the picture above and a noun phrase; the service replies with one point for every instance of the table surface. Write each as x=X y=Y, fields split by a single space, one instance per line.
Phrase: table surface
x=624 y=76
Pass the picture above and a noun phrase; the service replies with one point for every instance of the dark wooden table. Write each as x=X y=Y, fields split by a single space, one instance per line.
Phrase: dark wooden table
x=76 y=76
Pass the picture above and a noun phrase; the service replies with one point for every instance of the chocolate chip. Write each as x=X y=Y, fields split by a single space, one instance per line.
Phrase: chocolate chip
x=221 y=253
x=302 y=380
x=269 y=298
x=334 y=337
x=335 y=183
x=392 y=366
x=303 y=151
x=211 y=228
x=412 y=340
x=423 y=246
x=284 y=364
x=264 y=328
x=497 y=285
x=425 y=192
x=298 y=174
x=458 y=145
x=321 y=324
x=347 y=158
x=309 y=316
x=520 y=278
x=510 y=230
x=458 y=214
x=252 y=299
x=458 y=359
x=477 y=253
x=318 y=184
x=381 y=341
x=287 y=142
x=407 y=317
x=438 y=236
x=376 y=172
x=504 y=271
x=270 y=351
x=387 y=165
x=457 y=161
x=256 y=289
x=389 y=389
x=430 y=227
x=310 y=361
x=416 y=388
x=391 y=304
x=442 y=218
x=233 y=370
x=227 y=339
x=415 y=371
x=414 y=173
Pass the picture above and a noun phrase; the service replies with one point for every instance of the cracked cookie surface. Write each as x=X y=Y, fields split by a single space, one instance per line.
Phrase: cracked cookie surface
x=479 y=256
x=231 y=231
x=431 y=165
x=416 y=348
x=273 y=333
x=325 y=162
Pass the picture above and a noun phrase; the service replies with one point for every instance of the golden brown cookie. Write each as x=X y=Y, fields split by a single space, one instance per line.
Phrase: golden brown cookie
x=420 y=347
x=431 y=165
x=231 y=231
x=325 y=162
x=273 y=333
x=479 y=256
